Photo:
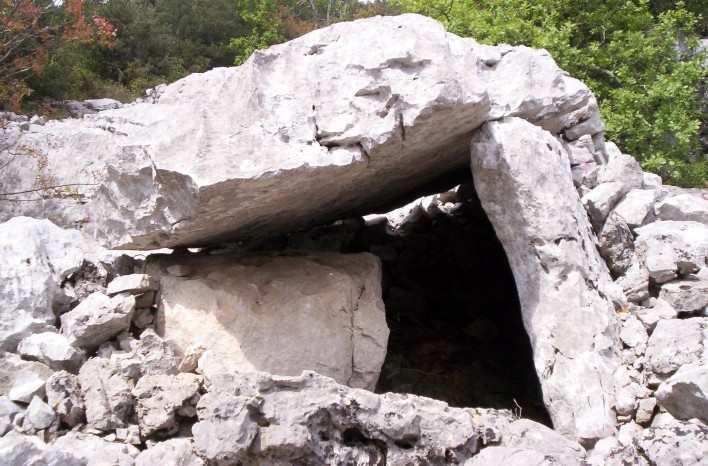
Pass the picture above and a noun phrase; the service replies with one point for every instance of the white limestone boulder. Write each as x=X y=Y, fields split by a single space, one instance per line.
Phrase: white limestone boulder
x=177 y=451
x=53 y=349
x=684 y=207
x=97 y=319
x=637 y=207
x=370 y=120
x=160 y=398
x=278 y=313
x=28 y=450
x=524 y=183
x=687 y=296
x=685 y=394
x=675 y=343
x=36 y=256
x=96 y=451
x=106 y=394
x=64 y=396
x=672 y=248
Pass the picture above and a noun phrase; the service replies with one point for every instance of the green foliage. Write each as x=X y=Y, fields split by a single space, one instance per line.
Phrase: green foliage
x=266 y=28
x=626 y=51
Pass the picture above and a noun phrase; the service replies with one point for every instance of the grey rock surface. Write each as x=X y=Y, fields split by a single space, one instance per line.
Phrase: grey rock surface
x=562 y=281
x=156 y=356
x=687 y=296
x=637 y=207
x=134 y=284
x=51 y=348
x=96 y=451
x=684 y=207
x=675 y=343
x=617 y=244
x=159 y=398
x=27 y=450
x=35 y=258
x=685 y=394
x=97 y=319
x=250 y=310
x=106 y=394
x=64 y=396
x=177 y=452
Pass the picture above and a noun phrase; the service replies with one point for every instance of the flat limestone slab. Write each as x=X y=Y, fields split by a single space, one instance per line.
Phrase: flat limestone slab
x=278 y=313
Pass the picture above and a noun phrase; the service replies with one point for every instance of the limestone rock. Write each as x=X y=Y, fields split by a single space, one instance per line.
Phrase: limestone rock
x=177 y=451
x=657 y=310
x=133 y=284
x=681 y=443
x=250 y=311
x=622 y=168
x=617 y=244
x=35 y=258
x=637 y=207
x=51 y=348
x=64 y=396
x=156 y=356
x=38 y=416
x=8 y=412
x=686 y=296
x=562 y=281
x=159 y=398
x=635 y=283
x=362 y=117
x=684 y=207
x=668 y=248
x=601 y=200
x=24 y=383
x=106 y=394
x=510 y=456
x=25 y=450
x=675 y=343
x=97 y=319
x=95 y=451
x=685 y=394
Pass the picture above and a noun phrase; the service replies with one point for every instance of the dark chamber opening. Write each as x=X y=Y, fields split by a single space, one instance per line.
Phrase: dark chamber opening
x=453 y=310
x=451 y=304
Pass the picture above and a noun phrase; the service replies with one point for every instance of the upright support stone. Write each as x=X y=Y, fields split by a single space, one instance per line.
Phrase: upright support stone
x=524 y=182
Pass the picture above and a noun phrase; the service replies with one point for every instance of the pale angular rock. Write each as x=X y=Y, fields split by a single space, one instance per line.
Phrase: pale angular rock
x=617 y=244
x=100 y=105
x=8 y=412
x=601 y=200
x=651 y=180
x=51 y=348
x=64 y=396
x=562 y=281
x=25 y=450
x=177 y=451
x=669 y=248
x=622 y=168
x=684 y=207
x=97 y=319
x=191 y=358
x=159 y=398
x=634 y=335
x=581 y=151
x=659 y=310
x=134 y=284
x=682 y=443
x=250 y=311
x=492 y=456
x=39 y=416
x=95 y=451
x=27 y=384
x=645 y=411
x=373 y=127
x=675 y=343
x=35 y=258
x=686 y=296
x=106 y=394
x=685 y=394
x=156 y=356
x=635 y=283
x=637 y=207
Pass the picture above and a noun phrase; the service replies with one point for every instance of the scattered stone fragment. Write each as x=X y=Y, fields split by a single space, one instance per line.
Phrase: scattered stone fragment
x=645 y=411
x=685 y=394
x=38 y=416
x=130 y=434
x=51 y=348
x=156 y=356
x=191 y=358
x=26 y=450
x=637 y=207
x=27 y=385
x=669 y=248
x=178 y=270
x=64 y=396
x=686 y=296
x=134 y=284
x=634 y=335
x=96 y=451
x=177 y=451
x=621 y=168
x=97 y=319
x=657 y=310
x=143 y=318
x=8 y=411
x=682 y=443
x=601 y=200
x=617 y=244
x=684 y=207
x=675 y=343
x=106 y=393
x=160 y=398
x=635 y=283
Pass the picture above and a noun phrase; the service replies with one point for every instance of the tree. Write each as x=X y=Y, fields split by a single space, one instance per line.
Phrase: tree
x=30 y=30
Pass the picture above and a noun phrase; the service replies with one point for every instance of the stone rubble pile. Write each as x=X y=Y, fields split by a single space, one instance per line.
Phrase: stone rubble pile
x=245 y=353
